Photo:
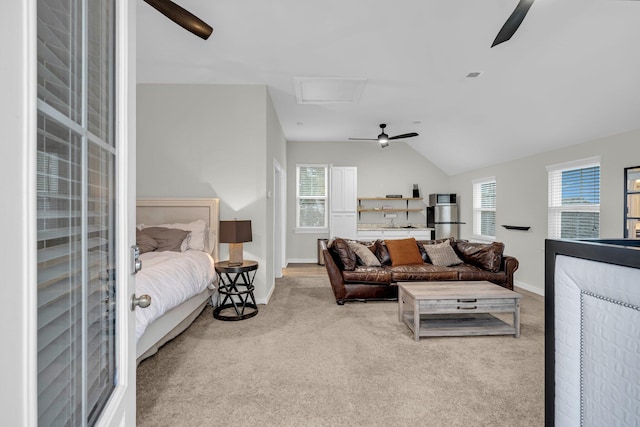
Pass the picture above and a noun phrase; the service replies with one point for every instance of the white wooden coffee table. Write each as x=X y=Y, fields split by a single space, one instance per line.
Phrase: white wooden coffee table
x=439 y=309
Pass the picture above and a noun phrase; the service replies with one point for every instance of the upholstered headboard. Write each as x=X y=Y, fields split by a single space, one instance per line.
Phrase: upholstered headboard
x=172 y=210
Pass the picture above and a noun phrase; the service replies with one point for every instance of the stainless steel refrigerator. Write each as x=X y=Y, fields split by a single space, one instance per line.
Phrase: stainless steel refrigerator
x=442 y=215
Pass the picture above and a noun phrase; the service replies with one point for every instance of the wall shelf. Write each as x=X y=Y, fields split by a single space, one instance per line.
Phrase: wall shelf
x=392 y=207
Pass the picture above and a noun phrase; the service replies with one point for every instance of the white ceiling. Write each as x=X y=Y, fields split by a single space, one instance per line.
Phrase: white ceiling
x=570 y=74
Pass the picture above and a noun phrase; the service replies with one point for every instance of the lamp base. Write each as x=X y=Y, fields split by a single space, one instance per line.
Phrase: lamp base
x=235 y=254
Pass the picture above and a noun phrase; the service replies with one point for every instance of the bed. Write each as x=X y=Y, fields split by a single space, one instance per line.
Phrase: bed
x=173 y=308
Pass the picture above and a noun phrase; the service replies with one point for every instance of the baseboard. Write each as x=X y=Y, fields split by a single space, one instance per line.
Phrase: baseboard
x=268 y=297
x=302 y=261
x=534 y=289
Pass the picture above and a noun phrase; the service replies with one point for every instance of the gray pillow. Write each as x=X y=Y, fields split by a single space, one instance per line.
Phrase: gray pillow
x=364 y=254
x=442 y=254
x=145 y=243
x=169 y=239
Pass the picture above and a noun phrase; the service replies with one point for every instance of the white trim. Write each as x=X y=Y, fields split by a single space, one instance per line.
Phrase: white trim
x=527 y=287
x=302 y=261
x=483 y=180
x=575 y=164
x=311 y=230
x=266 y=299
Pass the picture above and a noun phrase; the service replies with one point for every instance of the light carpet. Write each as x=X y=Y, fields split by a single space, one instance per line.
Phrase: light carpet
x=305 y=361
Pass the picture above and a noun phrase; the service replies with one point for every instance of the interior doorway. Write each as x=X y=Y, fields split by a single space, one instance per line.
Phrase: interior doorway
x=279 y=219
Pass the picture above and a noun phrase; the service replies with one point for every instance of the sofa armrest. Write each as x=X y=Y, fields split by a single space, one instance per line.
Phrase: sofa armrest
x=335 y=276
x=509 y=265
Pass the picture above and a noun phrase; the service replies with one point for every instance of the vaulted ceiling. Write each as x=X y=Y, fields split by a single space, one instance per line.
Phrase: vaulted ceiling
x=570 y=74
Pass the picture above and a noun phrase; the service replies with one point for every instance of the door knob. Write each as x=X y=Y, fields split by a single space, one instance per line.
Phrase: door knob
x=143 y=301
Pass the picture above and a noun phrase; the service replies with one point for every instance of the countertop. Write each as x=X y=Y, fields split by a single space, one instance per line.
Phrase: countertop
x=382 y=227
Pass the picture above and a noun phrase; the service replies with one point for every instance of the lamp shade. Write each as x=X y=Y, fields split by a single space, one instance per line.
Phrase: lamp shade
x=236 y=231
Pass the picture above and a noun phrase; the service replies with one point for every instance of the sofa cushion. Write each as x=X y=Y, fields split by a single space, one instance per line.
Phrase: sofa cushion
x=345 y=254
x=364 y=254
x=471 y=272
x=422 y=272
x=404 y=252
x=423 y=252
x=382 y=253
x=364 y=274
x=442 y=254
x=487 y=256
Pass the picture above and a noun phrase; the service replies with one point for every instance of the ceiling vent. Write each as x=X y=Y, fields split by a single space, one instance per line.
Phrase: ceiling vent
x=473 y=74
x=329 y=90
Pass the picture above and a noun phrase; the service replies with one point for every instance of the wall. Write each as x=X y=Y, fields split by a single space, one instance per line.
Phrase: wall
x=522 y=188
x=213 y=141
x=392 y=170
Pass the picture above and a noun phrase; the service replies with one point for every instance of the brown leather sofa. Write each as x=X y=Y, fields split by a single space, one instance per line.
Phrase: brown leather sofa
x=361 y=282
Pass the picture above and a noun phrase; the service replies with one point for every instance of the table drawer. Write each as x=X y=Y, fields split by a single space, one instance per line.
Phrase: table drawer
x=468 y=305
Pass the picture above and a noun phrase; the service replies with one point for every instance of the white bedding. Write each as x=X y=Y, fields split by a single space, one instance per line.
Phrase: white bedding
x=171 y=278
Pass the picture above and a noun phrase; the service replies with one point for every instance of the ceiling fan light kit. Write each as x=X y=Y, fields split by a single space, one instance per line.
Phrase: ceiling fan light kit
x=182 y=17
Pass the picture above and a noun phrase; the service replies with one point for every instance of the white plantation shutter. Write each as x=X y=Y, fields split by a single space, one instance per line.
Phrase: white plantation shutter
x=75 y=210
x=574 y=199
x=311 y=196
x=484 y=207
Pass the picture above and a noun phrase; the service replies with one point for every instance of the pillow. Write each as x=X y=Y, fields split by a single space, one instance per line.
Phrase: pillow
x=381 y=252
x=442 y=254
x=487 y=256
x=421 y=244
x=145 y=243
x=404 y=252
x=168 y=239
x=364 y=254
x=199 y=234
x=346 y=255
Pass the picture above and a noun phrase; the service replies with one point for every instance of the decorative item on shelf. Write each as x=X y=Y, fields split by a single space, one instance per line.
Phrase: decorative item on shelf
x=394 y=196
x=416 y=191
x=516 y=227
x=235 y=233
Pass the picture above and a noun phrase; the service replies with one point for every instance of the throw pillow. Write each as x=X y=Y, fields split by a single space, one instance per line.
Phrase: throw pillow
x=346 y=255
x=442 y=254
x=169 y=239
x=145 y=243
x=380 y=249
x=487 y=256
x=404 y=252
x=364 y=254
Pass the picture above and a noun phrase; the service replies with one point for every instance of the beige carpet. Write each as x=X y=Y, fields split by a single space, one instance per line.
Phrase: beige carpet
x=305 y=361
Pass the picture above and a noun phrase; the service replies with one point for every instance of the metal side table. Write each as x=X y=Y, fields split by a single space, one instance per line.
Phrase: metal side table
x=236 y=299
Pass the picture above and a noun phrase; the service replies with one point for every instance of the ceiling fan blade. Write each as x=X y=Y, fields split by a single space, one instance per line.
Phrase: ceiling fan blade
x=182 y=17
x=404 y=135
x=363 y=139
x=511 y=25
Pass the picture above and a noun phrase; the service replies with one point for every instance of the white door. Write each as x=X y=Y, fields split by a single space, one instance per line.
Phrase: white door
x=85 y=346
x=343 y=220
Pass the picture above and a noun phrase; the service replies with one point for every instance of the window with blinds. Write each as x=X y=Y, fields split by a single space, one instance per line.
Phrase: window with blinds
x=484 y=208
x=311 y=196
x=574 y=200
x=75 y=210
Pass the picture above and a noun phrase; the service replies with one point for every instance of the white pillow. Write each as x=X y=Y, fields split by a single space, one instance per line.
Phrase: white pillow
x=197 y=238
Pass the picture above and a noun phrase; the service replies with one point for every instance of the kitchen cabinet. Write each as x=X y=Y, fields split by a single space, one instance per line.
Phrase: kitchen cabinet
x=343 y=217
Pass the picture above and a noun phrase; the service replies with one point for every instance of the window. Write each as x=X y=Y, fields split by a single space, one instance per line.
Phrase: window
x=484 y=208
x=311 y=196
x=574 y=199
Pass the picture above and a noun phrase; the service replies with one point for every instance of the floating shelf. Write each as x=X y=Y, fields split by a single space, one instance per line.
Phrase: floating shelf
x=517 y=227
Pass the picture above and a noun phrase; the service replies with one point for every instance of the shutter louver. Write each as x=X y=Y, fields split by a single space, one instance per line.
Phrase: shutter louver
x=484 y=207
x=312 y=197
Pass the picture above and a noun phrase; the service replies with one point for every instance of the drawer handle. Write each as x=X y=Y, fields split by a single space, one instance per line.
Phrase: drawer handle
x=467 y=300
x=467 y=308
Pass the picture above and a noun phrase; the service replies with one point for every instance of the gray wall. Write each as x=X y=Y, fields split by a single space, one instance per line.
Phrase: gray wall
x=522 y=188
x=213 y=141
x=392 y=170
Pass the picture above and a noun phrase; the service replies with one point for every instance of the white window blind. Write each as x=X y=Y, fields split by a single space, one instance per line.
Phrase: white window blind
x=75 y=186
x=484 y=208
x=311 y=196
x=574 y=200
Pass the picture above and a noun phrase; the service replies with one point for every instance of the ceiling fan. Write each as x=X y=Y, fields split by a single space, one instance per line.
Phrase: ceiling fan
x=182 y=17
x=384 y=139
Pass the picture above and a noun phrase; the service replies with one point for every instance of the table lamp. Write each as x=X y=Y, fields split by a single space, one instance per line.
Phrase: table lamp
x=235 y=233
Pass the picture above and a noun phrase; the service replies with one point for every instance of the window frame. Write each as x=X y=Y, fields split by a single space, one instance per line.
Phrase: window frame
x=325 y=197
x=478 y=209
x=554 y=205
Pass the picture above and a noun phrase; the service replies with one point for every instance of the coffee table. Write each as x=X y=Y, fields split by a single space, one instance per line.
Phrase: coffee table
x=457 y=308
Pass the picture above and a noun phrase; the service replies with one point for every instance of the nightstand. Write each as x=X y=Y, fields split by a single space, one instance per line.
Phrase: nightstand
x=235 y=287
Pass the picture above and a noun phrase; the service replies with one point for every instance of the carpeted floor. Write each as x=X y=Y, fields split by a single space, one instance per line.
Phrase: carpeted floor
x=305 y=361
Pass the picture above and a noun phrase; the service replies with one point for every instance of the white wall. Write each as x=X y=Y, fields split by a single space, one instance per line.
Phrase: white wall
x=522 y=188
x=213 y=141
x=392 y=170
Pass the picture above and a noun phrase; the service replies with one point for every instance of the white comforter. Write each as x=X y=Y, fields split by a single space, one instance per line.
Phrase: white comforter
x=170 y=278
